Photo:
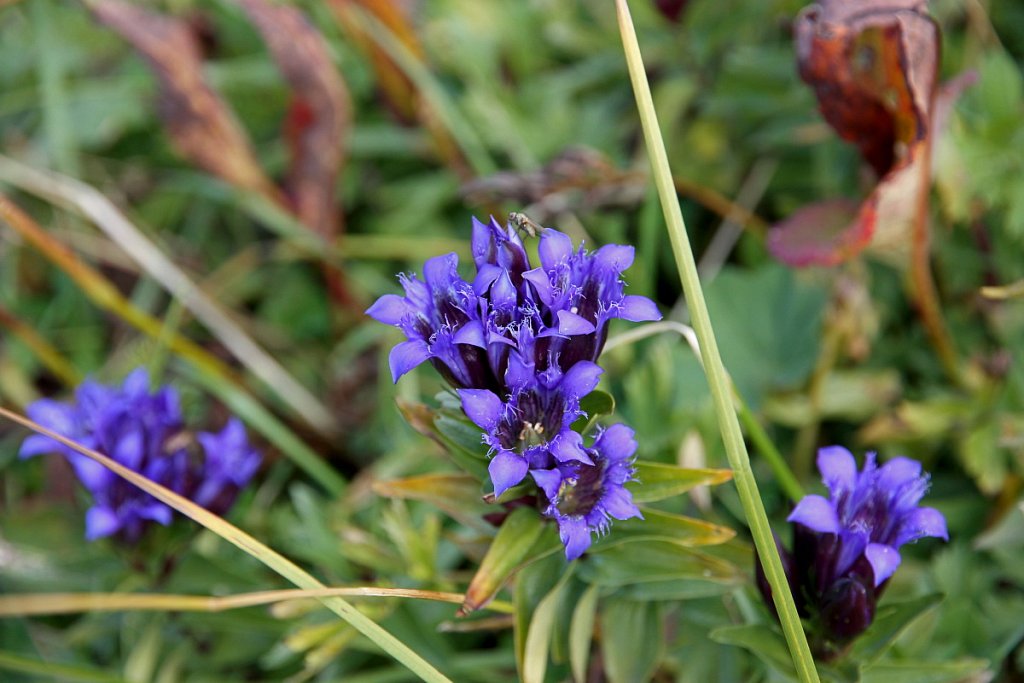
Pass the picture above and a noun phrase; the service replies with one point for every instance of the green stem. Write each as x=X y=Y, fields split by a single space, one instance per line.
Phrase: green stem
x=721 y=390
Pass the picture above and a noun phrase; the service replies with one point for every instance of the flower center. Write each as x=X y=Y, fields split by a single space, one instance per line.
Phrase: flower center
x=578 y=495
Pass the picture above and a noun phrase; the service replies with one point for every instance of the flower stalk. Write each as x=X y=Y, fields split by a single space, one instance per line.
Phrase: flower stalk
x=718 y=380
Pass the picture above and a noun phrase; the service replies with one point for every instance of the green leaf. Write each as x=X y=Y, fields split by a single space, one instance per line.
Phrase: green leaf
x=761 y=639
x=533 y=582
x=540 y=631
x=632 y=640
x=520 y=539
x=596 y=405
x=460 y=439
x=666 y=526
x=581 y=633
x=927 y=672
x=657 y=481
x=455 y=493
x=891 y=620
x=773 y=344
x=632 y=563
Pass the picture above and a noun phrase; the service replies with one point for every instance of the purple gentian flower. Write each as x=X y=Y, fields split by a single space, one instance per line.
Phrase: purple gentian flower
x=583 y=497
x=579 y=292
x=531 y=427
x=144 y=432
x=440 y=316
x=520 y=344
x=846 y=547
x=873 y=512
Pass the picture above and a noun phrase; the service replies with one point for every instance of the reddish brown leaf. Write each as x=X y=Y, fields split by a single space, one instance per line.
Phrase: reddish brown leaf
x=319 y=114
x=399 y=92
x=199 y=123
x=822 y=233
x=873 y=67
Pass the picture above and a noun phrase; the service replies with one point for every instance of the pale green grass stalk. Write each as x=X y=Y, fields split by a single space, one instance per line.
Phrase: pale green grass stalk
x=269 y=557
x=28 y=604
x=721 y=389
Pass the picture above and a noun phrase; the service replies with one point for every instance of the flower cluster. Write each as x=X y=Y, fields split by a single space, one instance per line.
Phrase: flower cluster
x=846 y=547
x=143 y=431
x=519 y=344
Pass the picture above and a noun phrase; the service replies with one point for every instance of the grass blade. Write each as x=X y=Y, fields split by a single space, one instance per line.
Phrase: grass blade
x=269 y=557
x=721 y=388
x=215 y=374
x=37 y=604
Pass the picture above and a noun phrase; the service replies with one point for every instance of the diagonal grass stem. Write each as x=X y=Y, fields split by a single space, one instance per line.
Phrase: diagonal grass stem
x=721 y=389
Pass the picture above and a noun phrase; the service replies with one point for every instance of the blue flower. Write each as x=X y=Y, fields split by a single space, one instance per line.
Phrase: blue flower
x=846 y=546
x=531 y=427
x=144 y=432
x=468 y=330
x=520 y=346
x=584 y=496
x=872 y=512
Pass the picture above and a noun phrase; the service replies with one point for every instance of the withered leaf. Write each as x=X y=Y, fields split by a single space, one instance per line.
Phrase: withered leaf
x=873 y=66
x=199 y=123
x=319 y=114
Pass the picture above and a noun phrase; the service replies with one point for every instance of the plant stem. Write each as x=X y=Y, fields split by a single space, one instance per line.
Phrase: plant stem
x=926 y=297
x=721 y=389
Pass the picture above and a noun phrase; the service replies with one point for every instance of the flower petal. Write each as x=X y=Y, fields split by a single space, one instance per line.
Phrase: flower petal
x=920 y=523
x=617 y=443
x=471 y=333
x=581 y=379
x=441 y=272
x=618 y=502
x=614 y=257
x=482 y=406
x=638 y=309
x=575 y=536
x=884 y=560
x=407 y=355
x=486 y=274
x=554 y=248
x=897 y=473
x=100 y=522
x=506 y=469
x=37 y=444
x=568 y=447
x=549 y=482
x=389 y=309
x=817 y=514
x=539 y=279
x=571 y=324
x=838 y=469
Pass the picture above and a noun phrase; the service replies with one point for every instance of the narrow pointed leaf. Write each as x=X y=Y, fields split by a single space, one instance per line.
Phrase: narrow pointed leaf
x=456 y=494
x=632 y=640
x=581 y=633
x=520 y=539
x=657 y=481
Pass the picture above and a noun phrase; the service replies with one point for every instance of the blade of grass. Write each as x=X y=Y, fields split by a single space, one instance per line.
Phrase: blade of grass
x=473 y=148
x=213 y=372
x=269 y=557
x=721 y=389
x=37 y=604
x=46 y=352
x=54 y=671
x=84 y=199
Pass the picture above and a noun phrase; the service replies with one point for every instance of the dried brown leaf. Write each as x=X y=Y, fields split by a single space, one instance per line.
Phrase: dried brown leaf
x=198 y=121
x=319 y=115
x=873 y=66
